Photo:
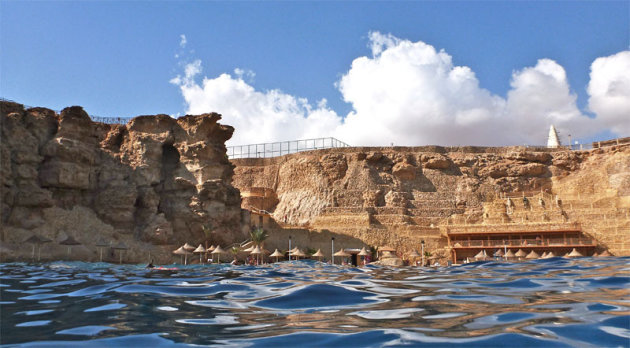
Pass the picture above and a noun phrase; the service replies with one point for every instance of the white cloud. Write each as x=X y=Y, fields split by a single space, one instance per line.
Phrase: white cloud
x=540 y=96
x=609 y=91
x=407 y=93
x=191 y=70
x=257 y=116
x=182 y=41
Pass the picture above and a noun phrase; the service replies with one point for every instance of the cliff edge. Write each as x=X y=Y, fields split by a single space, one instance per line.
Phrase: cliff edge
x=402 y=196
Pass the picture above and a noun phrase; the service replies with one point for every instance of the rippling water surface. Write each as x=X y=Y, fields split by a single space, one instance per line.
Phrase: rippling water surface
x=551 y=303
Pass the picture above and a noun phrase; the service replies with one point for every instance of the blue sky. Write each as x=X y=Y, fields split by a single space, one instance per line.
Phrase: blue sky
x=117 y=58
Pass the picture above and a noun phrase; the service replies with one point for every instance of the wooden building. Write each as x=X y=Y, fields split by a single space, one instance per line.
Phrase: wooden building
x=467 y=241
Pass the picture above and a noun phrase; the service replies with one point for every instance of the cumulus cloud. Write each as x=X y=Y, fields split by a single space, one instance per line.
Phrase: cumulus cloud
x=609 y=91
x=540 y=96
x=409 y=93
x=257 y=116
x=182 y=41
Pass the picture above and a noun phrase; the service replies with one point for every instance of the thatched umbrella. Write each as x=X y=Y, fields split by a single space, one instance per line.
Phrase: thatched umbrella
x=413 y=255
x=482 y=255
x=200 y=250
x=574 y=253
x=341 y=253
x=386 y=249
x=292 y=252
x=180 y=251
x=319 y=254
x=69 y=242
x=532 y=255
x=509 y=255
x=38 y=240
x=605 y=253
x=544 y=255
x=189 y=247
x=100 y=245
x=122 y=247
x=250 y=249
x=276 y=254
x=520 y=253
x=365 y=253
x=218 y=251
x=549 y=255
x=299 y=253
x=256 y=251
x=498 y=253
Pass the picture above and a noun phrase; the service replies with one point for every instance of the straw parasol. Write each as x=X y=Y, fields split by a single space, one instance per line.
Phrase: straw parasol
x=341 y=253
x=256 y=251
x=299 y=253
x=38 y=240
x=544 y=255
x=276 y=254
x=211 y=248
x=100 y=245
x=319 y=254
x=69 y=242
x=200 y=250
x=411 y=254
x=218 y=251
x=482 y=255
x=605 y=253
x=532 y=255
x=574 y=253
x=498 y=253
x=520 y=253
x=180 y=251
x=363 y=253
x=549 y=255
x=189 y=247
x=509 y=255
x=292 y=252
x=249 y=250
x=595 y=254
x=122 y=247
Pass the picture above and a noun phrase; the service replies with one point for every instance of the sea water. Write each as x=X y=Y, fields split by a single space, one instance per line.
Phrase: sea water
x=555 y=302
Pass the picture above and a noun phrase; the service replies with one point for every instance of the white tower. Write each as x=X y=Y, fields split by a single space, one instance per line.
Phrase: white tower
x=553 y=140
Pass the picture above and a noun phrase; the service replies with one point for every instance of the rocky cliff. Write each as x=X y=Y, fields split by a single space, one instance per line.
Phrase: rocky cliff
x=152 y=183
x=403 y=195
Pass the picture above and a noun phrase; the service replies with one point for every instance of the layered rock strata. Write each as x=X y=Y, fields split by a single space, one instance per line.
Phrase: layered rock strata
x=151 y=184
x=404 y=195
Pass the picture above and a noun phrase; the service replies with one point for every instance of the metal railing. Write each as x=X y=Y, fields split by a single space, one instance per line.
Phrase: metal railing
x=266 y=150
x=529 y=242
x=110 y=120
x=101 y=119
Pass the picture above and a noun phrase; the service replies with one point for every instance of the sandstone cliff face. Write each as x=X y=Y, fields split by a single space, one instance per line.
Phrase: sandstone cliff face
x=400 y=196
x=152 y=182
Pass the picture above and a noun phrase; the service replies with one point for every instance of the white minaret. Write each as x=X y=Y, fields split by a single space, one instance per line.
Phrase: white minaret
x=553 y=140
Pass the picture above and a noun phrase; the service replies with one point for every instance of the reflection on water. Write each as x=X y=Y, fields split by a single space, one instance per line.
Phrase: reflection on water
x=552 y=302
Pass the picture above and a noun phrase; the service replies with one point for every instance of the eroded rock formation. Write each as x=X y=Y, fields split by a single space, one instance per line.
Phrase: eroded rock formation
x=152 y=183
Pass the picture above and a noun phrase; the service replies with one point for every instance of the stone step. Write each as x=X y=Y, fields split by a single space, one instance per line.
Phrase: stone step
x=442 y=203
x=441 y=212
x=420 y=196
